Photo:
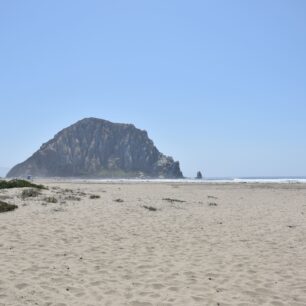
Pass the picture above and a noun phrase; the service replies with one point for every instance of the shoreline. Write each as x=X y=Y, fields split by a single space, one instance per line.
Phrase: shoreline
x=178 y=181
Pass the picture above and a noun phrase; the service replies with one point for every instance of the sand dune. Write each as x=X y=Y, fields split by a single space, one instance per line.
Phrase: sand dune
x=231 y=244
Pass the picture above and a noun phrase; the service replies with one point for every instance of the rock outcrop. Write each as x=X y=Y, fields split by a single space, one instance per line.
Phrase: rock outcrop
x=101 y=149
x=199 y=175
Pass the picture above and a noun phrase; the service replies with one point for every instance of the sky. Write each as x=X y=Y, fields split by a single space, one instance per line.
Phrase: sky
x=219 y=85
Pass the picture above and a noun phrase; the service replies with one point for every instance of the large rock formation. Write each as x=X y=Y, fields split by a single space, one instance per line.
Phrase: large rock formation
x=98 y=148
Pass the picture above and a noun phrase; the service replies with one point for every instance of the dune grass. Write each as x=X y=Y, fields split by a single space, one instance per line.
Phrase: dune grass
x=4 y=207
x=94 y=196
x=51 y=200
x=30 y=193
x=173 y=200
x=119 y=201
x=212 y=204
x=150 y=208
x=19 y=184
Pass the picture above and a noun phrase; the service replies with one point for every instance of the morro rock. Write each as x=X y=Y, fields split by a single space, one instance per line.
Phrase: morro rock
x=97 y=148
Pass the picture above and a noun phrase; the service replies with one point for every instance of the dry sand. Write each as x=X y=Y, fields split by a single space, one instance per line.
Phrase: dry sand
x=230 y=244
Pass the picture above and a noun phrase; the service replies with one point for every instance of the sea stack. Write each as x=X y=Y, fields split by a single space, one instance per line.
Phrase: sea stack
x=199 y=175
x=96 y=148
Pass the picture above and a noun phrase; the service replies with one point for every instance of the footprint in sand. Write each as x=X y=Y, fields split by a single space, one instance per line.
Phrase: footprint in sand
x=198 y=299
x=21 y=286
x=173 y=289
x=137 y=303
x=158 y=286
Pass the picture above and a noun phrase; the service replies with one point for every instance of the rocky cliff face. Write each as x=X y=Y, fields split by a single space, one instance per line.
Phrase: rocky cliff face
x=99 y=148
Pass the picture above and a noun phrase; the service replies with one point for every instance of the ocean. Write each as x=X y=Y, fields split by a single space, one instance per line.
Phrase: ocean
x=213 y=180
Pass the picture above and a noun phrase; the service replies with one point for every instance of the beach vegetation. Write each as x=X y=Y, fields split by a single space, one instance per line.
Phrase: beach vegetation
x=30 y=193
x=19 y=184
x=94 y=196
x=4 y=197
x=119 y=200
x=212 y=197
x=4 y=207
x=51 y=199
x=150 y=208
x=73 y=198
x=212 y=204
x=173 y=200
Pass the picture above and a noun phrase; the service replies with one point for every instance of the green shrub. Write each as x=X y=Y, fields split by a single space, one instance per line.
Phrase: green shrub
x=4 y=207
x=19 y=184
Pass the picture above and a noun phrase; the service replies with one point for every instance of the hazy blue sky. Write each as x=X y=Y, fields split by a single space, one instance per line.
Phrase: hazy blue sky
x=219 y=85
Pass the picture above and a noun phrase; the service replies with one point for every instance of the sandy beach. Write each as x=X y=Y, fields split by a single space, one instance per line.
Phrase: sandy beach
x=144 y=244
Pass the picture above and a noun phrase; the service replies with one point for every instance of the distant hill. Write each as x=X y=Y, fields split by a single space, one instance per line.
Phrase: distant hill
x=101 y=149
